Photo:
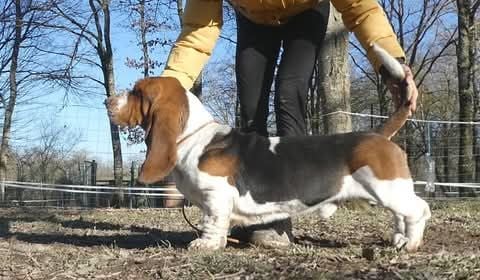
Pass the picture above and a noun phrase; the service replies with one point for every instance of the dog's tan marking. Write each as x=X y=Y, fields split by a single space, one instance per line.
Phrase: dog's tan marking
x=376 y=152
x=219 y=163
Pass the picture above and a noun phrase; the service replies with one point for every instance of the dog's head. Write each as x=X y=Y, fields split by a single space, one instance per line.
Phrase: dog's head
x=160 y=106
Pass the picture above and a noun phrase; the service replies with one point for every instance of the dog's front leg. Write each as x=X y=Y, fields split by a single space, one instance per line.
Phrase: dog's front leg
x=217 y=209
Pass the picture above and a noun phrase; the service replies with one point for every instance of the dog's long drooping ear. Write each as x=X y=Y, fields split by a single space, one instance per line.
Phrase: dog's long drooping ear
x=166 y=112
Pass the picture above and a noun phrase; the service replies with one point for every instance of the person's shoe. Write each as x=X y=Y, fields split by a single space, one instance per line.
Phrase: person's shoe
x=272 y=235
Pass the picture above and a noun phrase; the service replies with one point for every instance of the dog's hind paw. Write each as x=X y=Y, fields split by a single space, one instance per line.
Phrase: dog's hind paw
x=399 y=241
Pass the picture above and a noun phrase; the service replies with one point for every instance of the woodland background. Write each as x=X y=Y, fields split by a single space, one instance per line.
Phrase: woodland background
x=77 y=53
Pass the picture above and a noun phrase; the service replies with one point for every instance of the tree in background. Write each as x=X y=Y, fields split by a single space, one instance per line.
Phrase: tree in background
x=439 y=101
x=24 y=45
x=476 y=92
x=67 y=44
x=219 y=89
x=9 y=108
x=332 y=79
x=466 y=49
x=220 y=94
x=149 y=20
x=426 y=32
x=91 y=26
x=51 y=159
x=45 y=161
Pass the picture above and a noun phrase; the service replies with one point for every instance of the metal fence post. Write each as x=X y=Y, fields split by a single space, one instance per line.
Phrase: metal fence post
x=132 y=183
x=430 y=185
x=93 y=180
x=2 y=189
x=93 y=173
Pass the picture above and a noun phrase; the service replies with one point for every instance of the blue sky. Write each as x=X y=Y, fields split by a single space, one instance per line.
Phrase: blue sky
x=83 y=116
x=87 y=116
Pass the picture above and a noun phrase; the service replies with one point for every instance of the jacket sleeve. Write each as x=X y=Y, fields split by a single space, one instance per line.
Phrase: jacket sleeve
x=368 y=21
x=202 y=22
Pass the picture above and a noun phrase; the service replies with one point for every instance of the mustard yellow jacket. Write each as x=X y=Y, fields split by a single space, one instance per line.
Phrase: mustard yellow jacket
x=202 y=22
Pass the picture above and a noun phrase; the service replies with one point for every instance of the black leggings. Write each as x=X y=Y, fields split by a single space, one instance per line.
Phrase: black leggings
x=258 y=48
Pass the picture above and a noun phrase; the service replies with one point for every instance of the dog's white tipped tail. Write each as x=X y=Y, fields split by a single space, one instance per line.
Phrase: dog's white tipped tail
x=397 y=73
x=393 y=67
x=395 y=122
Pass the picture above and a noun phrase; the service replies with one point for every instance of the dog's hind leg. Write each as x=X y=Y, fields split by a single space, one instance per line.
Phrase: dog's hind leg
x=410 y=213
x=415 y=223
x=398 y=238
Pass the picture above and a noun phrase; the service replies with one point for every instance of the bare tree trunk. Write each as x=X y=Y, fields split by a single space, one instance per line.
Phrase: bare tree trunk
x=476 y=109
x=476 y=90
x=143 y=38
x=425 y=45
x=115 y=134
x=7 y=123
x=476 y=151
x=107 y=67
x=465 y=63
x=334 y=84
x=110 y=90
x=104 y=50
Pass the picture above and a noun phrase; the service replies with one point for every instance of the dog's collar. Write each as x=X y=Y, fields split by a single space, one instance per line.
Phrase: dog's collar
x=181 y=140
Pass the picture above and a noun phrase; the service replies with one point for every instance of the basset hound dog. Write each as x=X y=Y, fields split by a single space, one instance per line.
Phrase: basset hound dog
x=245 y=179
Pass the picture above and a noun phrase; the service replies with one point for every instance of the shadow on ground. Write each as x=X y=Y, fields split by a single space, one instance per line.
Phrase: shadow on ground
x=131 y=237
x=128 y=237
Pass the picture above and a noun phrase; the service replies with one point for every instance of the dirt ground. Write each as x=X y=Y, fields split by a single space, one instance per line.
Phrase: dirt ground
x=36 y=243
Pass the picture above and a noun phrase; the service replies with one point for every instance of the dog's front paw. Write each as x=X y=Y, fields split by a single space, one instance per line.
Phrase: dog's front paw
x=201 y=244
x=413 y=245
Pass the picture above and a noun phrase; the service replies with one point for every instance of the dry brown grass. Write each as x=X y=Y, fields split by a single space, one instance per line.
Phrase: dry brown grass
x=150 y=244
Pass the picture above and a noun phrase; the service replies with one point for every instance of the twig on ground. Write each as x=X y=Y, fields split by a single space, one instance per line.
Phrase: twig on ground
x=102 y=276
x=230 y=275
x=37 y=264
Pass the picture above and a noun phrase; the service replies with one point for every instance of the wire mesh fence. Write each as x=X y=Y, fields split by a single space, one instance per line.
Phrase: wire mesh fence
x=437 y=159
x=88 y=196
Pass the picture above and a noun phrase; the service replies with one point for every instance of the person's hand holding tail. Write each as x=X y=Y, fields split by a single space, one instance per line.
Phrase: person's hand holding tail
x=404 y=93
